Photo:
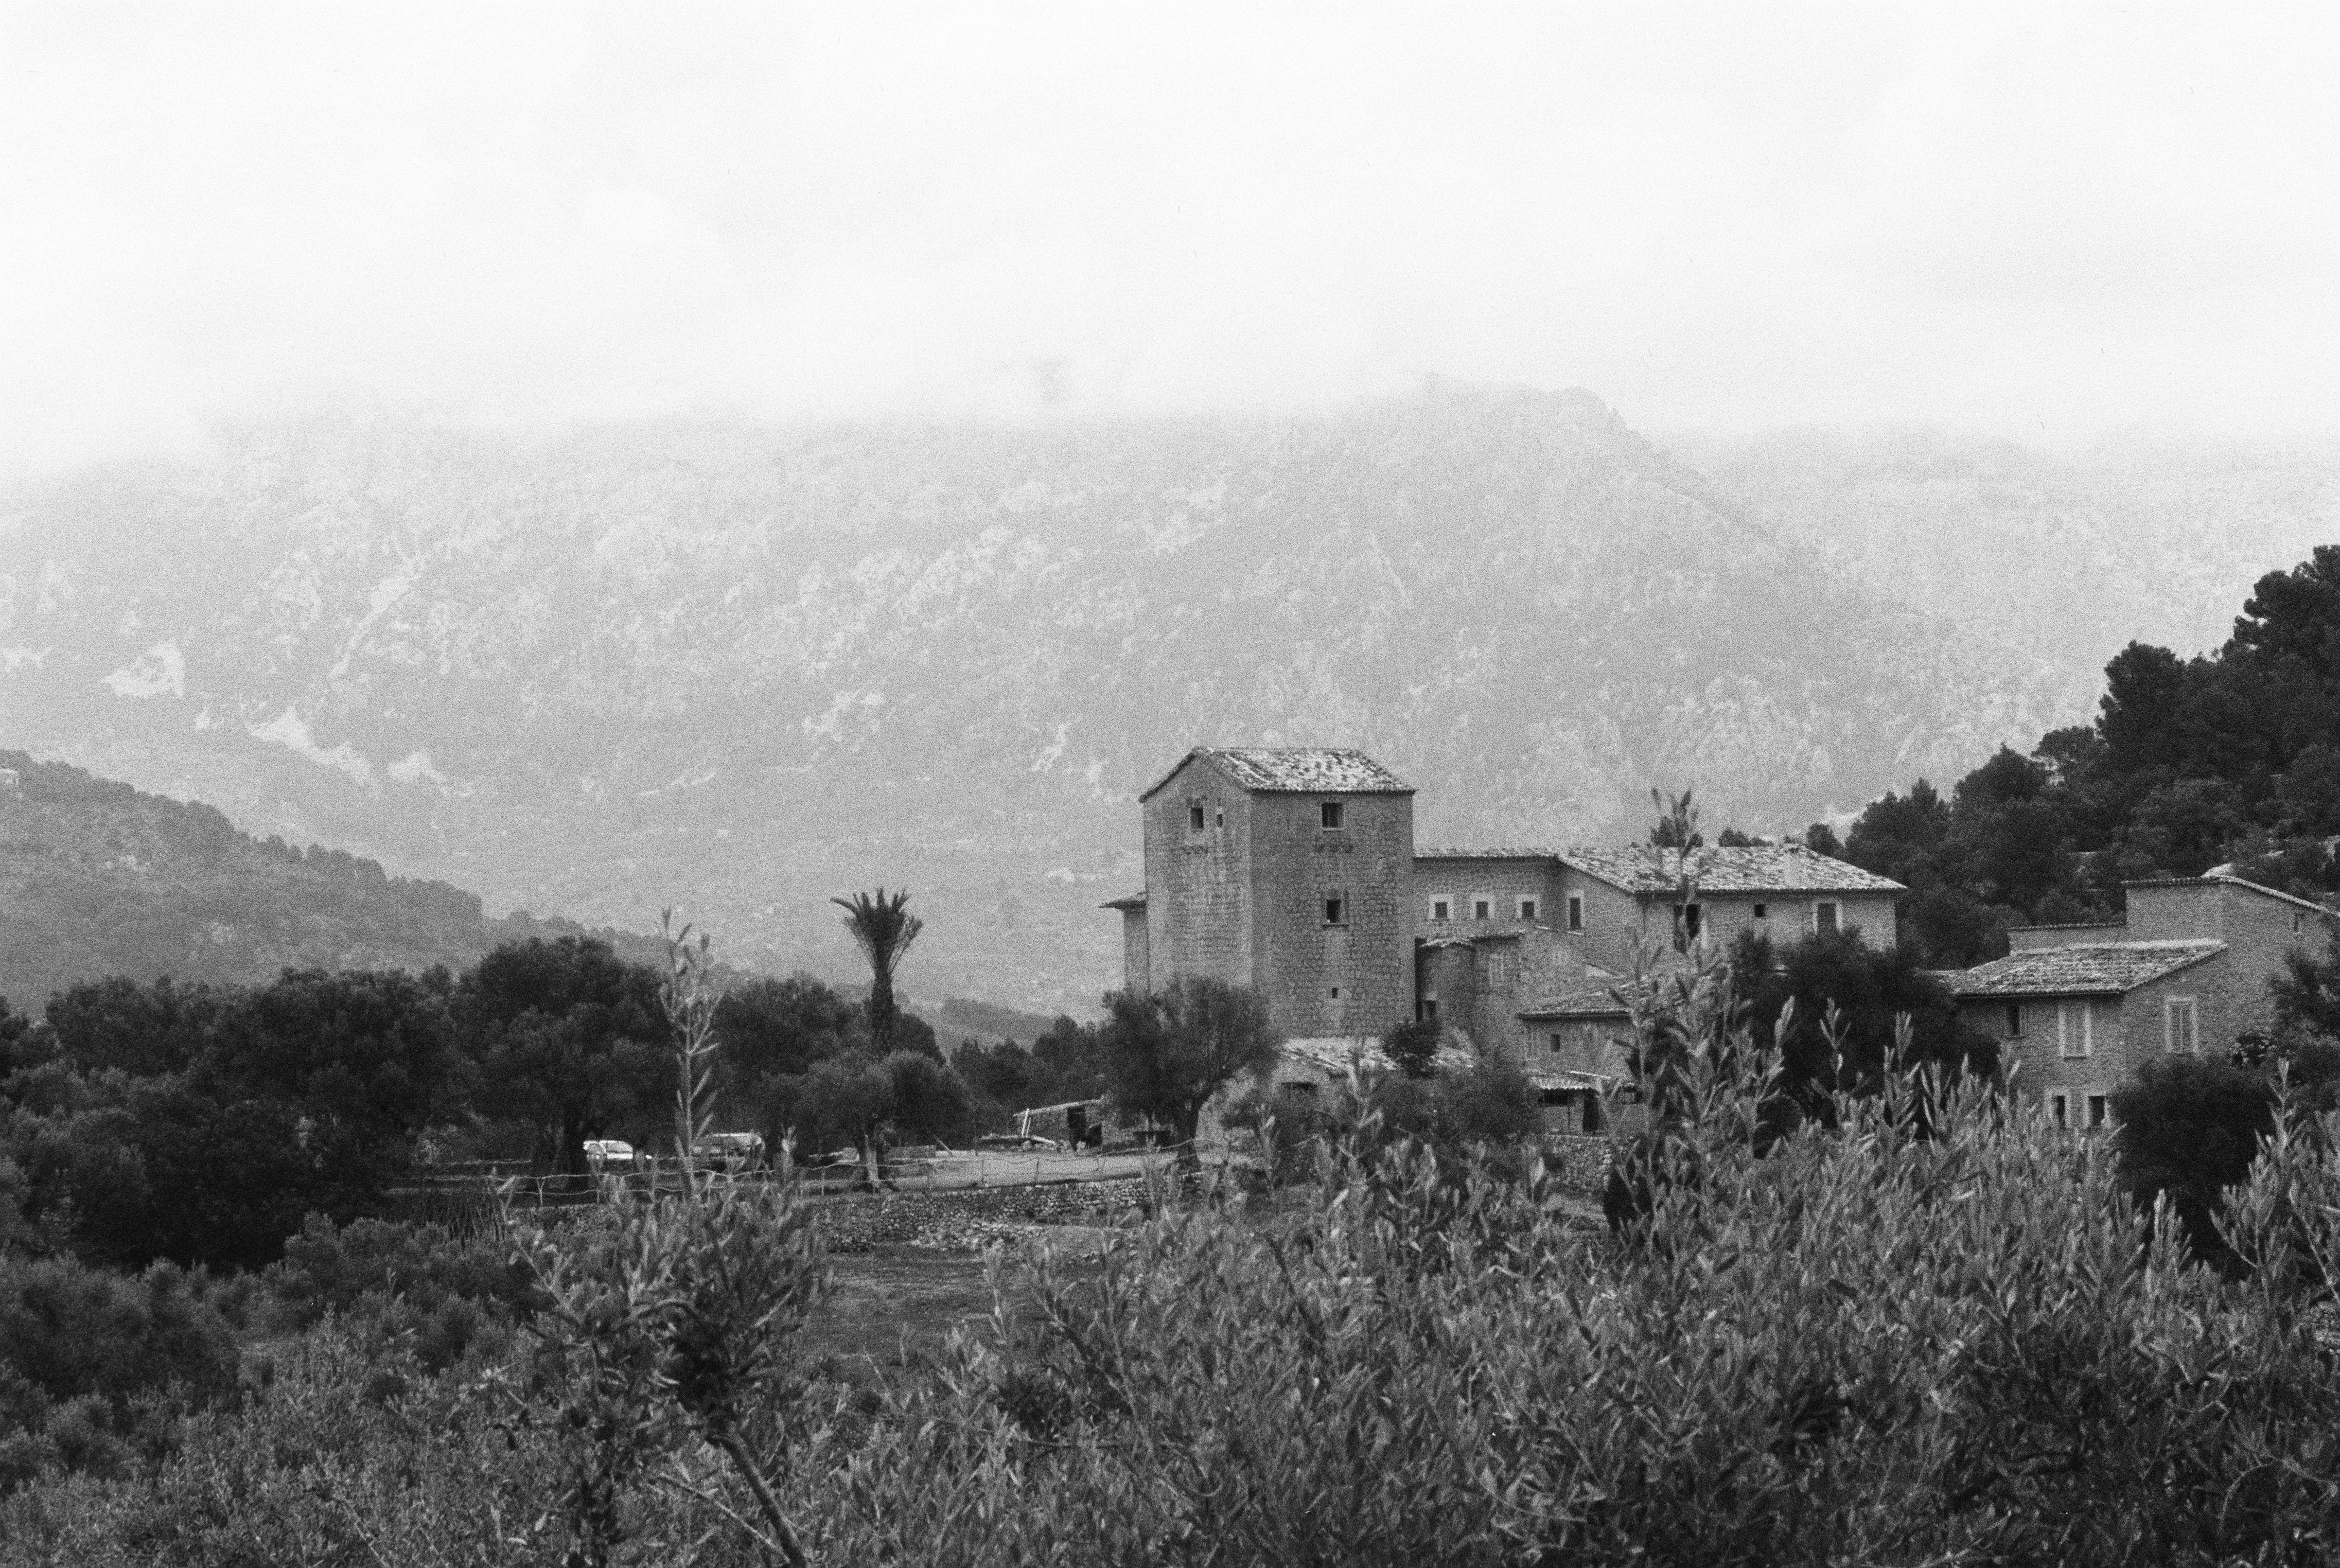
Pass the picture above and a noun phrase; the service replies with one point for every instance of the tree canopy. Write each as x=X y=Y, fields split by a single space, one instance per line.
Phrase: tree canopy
x=1168 y=1052
x=2233 y=758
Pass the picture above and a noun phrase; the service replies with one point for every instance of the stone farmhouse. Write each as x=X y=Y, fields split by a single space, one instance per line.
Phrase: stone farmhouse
x=1294 y=871
x=2079 y=1008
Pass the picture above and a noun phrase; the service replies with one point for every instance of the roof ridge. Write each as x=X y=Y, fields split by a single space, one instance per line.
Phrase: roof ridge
x=2222 y=879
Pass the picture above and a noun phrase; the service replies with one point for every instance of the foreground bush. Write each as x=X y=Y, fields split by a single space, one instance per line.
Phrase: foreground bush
x=1920 y=1329
x=96 y=1367
x=417 y=1283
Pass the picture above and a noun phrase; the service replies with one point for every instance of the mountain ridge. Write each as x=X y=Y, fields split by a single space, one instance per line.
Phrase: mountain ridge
x=739 y=670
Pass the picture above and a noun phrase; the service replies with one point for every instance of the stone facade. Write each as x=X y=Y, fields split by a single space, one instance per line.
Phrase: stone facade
x=1295 y=872
x=1303 y=892
x=2078 y=1009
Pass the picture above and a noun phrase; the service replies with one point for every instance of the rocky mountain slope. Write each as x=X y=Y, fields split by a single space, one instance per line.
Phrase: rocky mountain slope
x=2068 y=556
x=741 y=671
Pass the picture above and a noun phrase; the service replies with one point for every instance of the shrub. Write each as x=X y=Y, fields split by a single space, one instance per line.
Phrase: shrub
x=94 y=1365
x=399 y=1280
x=2189 y=1128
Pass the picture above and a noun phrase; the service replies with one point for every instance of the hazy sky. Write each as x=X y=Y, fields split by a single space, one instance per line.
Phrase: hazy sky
x=2025 y=220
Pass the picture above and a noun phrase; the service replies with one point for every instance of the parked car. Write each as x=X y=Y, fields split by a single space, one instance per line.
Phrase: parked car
x=608 y=1157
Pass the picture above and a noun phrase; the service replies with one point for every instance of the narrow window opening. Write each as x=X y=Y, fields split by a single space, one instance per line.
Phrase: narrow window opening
x=1527 y=908
x=1335 y=910
x=1483 y=910
x=1336 y=993
x=1575 y=912
x=1331 y=811
x=1690 y=918
x=2060 y=1108
x=2180 y=1029
x=1824 y=917
x=1194 y=818
x=2096 y=1110
x=1440 y=910
x=2075 y=1029
x=1762 y=911
x=2014 y=1020
x=1220 y=818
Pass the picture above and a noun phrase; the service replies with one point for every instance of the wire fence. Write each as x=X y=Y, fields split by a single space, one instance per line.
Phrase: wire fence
x=452 y=1189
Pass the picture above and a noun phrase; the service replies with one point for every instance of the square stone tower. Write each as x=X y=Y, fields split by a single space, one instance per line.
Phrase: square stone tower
x=1290 y=871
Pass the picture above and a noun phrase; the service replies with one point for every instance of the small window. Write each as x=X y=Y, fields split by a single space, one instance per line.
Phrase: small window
x=2075 y=1029
x=1576 y=912
x=1483 y=908
x=1824 y=918
x=1527 y=908
x=2096 y=1111
x=1336 y=909
x=1689 y=919
x=1441 y=908
x=2298 y=921
x=1762 y=911
x=2181 y=1030
x=1429 y=1012
x=1336 y=993
x=2059 y=1107
x=1331 y=811
x=1220 y=818
x=2015 y=1021
x=1195 y=816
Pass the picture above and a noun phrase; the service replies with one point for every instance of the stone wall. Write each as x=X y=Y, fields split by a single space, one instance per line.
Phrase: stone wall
x=1579 y=1161
x=1198 y=882
x=1300 y=959
x=948 y=1219
x=1502 y=880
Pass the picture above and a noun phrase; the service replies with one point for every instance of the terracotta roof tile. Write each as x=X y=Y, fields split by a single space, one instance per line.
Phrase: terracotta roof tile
x=1296 y=769
x=1758 y=868
x=1601 y=1002
x=2082 y=969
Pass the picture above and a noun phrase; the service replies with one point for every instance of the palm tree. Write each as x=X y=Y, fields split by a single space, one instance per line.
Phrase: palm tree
x=884 y=927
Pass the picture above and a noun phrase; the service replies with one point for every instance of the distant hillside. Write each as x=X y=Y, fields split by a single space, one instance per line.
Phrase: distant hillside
x=97 y=879
x=741 y=669
x=2068 y=556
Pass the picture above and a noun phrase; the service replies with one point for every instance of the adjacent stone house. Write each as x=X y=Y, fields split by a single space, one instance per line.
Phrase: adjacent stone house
x=2077 y=1009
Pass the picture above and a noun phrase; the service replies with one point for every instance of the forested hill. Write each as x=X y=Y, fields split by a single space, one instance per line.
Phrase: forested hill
x=98 y=879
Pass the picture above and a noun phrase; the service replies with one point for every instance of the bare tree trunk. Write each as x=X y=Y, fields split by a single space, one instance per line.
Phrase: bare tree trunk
x=783 y=1532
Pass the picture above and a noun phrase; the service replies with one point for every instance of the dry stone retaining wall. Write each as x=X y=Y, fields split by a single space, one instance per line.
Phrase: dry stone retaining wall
x=971 y=1218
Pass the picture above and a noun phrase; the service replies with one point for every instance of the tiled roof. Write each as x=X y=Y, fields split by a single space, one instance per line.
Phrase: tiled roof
x=1758 y=868
x=1296 y=769
x=1600 y=1003
x=2083 y=969
x=1461 y=933
x=1488 y=854
x=1547 y=1079
x=2074 y=925
x=2214 y=880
